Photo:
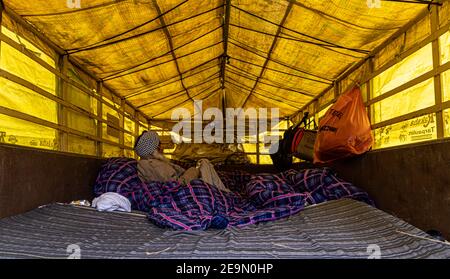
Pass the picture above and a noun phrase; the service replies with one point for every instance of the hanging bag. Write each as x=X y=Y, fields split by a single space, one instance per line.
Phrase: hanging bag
x=282 y=159
x=345 y=129
x=302 y=145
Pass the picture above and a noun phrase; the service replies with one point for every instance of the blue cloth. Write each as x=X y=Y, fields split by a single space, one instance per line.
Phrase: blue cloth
x=199 y=206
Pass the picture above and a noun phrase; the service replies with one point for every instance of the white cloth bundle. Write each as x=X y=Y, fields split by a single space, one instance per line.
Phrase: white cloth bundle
x=112 y=202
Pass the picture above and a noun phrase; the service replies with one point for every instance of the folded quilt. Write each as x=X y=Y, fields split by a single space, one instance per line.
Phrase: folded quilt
x=200 y=206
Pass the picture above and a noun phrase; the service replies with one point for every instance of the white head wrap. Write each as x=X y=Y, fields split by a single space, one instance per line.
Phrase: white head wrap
x=147 y=144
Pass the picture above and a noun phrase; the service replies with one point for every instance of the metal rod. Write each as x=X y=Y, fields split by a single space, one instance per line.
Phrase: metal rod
x=437 y=78
x=179 y=104
x=411 y=115
x=141 y=34
x=156 y=85
x=292 y=38
x=100 y=124
x=42 y=122
x=278 y=71
x=57 y=99
x=272 y=85
x=246 y=48
x=351 y=69
x=272 y=47
x=162 y=55
x=162 y=63
x=177 y=93
x=226 y=28
x=428 y=75
x=266 y=93
x=280 y=26
x=336 y=19
x=167 y=80
x=134 y=28
x=169 y=40
x=73 y=11
x=415 y=2
x=232 y=82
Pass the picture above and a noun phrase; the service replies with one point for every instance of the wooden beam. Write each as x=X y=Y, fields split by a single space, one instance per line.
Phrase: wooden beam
x=62 y=110
x=2 y=8
x=136 y=129
x=282 y=72
x=235 y=83
x=100 y=123
x=316 y=111
x=337 y=91
x=111 y=42
x=59 y=74
x=431 y=74
x=328 y=43
x=17 y=18
x=122 y=126
x=169 y=40
x=269 y=55
x=253 y=77
x=133 y=69
x=39 y=121
x=56 y=98
x=170 y=80
x=173 y=95
x=248 y=49
x=423 y=2
x=411 y=115
x=353 y=68
x=437 y=77
x=292 y=38
x=165 y=62
x=65 y=81
x=434 y=36
x=226 y=29
x=211 y=93
x=258 y=141
x=369 y=87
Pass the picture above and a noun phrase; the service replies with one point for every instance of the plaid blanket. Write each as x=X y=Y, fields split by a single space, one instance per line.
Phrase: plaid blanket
x=199 y=206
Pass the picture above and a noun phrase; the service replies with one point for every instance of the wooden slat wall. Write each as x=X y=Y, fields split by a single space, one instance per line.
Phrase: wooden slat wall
x=30 y=178
x=410 y=182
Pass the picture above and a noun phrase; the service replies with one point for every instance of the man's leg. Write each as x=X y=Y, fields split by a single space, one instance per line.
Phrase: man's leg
x=189 y=175
x=210 y=176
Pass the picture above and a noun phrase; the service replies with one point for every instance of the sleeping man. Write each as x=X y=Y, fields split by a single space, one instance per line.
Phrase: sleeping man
x=154 y=166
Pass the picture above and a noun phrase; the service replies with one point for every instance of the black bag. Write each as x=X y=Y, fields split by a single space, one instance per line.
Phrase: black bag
x=283 y=158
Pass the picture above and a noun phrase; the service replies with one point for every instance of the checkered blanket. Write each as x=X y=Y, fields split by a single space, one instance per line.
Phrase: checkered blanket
x=199 y=206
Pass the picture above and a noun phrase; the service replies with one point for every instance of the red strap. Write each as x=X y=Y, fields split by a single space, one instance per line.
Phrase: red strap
x=297 y=139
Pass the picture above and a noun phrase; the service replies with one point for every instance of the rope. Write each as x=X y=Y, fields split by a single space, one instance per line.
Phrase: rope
x=424 y=238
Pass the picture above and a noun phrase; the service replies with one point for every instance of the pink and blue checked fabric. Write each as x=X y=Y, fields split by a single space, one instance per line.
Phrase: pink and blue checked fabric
x=199 y=206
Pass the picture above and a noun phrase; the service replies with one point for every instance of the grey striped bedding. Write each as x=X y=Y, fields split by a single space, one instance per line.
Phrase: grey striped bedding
x=335 y=229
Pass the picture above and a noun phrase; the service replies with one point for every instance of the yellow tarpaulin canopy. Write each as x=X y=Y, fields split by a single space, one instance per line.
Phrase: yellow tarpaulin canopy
x=161 y=55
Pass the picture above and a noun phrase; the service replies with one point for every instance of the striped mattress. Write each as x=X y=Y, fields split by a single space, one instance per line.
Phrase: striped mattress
x=335 y=229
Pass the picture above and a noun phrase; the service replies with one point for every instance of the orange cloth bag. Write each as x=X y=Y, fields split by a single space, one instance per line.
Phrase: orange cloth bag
x=345 y=129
